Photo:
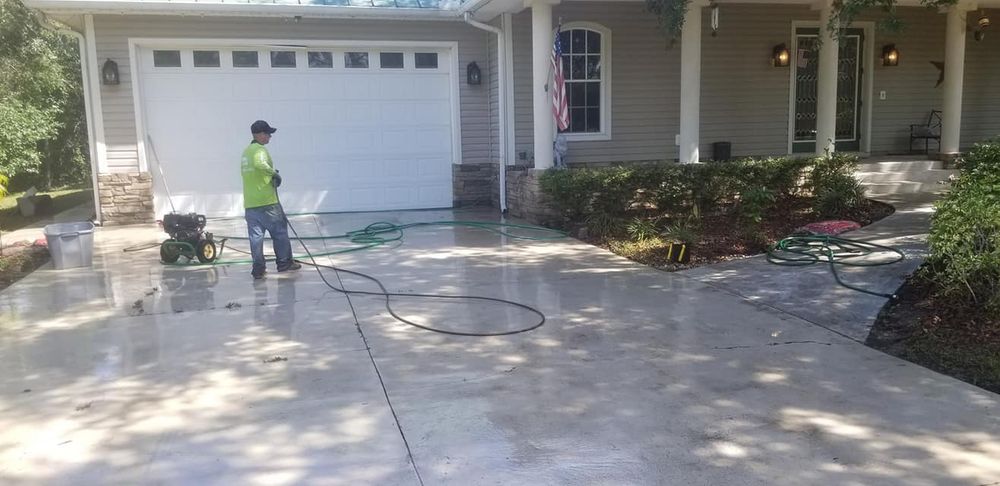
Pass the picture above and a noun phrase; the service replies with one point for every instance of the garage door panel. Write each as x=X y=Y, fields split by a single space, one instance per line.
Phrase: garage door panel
x=359 y=87
x=355 y=113
x=433 y=168
x=393 y=114
x=247 y=87
x=431 y=113
x=433 y=139
x=396 y=88
x=287 y=87
x=401 y=168
x=432 y=87
x=431 y=196
x=325 y=86
x=348 y=140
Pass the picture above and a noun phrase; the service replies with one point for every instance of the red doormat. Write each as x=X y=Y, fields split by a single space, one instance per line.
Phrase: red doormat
x=831 y=228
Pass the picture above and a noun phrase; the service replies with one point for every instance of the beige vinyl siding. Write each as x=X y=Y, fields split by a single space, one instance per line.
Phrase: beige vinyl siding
x=909 y=87
x=645 y=84
x=113 y=32
x=744 y=98
x=981 y=97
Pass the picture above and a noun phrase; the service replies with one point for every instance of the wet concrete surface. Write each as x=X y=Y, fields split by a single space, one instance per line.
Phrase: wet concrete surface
x=133 y=372
x=812 y=292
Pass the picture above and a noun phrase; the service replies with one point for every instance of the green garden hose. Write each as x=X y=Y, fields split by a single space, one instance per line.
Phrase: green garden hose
x=383 y=233
x=801 y=251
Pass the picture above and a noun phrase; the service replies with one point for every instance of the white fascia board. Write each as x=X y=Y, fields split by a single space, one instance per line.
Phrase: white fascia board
x=125 y=7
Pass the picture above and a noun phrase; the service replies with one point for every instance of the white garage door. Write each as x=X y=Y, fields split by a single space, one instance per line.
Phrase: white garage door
x=359 y=128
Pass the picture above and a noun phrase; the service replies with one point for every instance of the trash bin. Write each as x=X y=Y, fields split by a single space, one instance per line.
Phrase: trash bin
x=722 y=150
x=71 y=244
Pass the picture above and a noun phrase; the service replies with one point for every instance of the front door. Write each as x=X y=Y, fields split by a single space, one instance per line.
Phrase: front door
x=804 y=90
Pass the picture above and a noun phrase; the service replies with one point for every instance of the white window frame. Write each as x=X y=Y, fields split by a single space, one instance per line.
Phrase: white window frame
x=605 y=132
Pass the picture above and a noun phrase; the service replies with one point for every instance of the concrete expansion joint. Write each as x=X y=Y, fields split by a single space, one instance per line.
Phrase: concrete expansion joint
x=772 y=344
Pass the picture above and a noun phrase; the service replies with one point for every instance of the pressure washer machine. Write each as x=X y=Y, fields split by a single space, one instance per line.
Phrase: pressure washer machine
x=188 y=238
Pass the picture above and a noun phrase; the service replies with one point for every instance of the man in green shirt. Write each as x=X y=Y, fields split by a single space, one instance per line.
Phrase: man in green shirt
x=260 y=198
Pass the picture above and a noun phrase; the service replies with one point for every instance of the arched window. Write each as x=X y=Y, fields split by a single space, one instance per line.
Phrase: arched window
x=587 y=68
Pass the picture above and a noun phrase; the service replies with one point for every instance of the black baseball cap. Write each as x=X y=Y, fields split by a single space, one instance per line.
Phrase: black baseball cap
x=261 y=126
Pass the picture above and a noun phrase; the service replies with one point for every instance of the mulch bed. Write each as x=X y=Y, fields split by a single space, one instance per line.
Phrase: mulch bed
x=959 y=341
x=722 y=238
x=20 y=259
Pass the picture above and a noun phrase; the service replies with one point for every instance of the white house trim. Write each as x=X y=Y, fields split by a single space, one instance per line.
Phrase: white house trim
x=95 y=94
x=119 y=7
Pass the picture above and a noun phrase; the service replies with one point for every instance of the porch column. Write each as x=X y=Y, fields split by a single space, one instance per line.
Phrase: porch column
x=690 y=83
x=826 y=86
x=954 y=71
x=541 y=54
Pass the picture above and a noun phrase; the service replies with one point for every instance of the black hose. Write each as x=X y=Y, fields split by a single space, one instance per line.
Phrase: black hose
x=388 y=295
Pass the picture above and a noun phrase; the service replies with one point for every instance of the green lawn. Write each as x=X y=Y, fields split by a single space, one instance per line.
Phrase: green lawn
x=63 y=199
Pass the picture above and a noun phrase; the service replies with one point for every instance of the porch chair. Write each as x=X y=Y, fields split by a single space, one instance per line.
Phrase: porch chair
x=927 y=131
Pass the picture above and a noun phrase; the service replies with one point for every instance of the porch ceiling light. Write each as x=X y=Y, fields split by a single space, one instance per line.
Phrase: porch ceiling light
x=780 y=55
x=890 y=55
x=109 y=73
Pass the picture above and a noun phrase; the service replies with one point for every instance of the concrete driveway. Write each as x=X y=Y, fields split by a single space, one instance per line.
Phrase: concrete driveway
x=132 y=372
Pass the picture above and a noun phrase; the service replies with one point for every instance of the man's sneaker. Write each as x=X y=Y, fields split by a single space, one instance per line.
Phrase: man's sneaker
x=260 y=276
x=294 y=266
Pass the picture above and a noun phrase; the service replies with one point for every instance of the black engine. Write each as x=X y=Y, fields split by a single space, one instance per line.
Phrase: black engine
x=184 y=227
x=188 y=238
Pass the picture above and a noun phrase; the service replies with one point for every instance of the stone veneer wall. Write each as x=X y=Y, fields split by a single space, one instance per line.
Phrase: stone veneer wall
x=474 y=184
x=525 y=199
x=126 y=198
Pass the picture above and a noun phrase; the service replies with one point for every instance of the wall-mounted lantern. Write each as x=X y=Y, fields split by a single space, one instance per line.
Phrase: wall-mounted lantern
x=109 y=73
x=780 y=55
x=473 y=75
x=890 y=55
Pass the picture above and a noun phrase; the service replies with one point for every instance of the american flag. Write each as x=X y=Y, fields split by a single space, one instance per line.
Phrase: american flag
x=560 y=106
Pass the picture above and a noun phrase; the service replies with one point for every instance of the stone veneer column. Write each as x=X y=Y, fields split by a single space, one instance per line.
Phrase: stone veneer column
x=126 y=198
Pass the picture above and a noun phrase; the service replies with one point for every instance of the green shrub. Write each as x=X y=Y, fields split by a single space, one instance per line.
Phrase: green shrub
x=754 y=204
x=964 y=261
x=683 y=231
x=570 y=191
x=781 y=175
x=642 y=229
x=984 y=157
x=839 y=196
x=603 y=225
x=832 y=169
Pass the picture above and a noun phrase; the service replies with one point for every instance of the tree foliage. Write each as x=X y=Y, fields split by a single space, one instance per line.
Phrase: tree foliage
x=43 y=140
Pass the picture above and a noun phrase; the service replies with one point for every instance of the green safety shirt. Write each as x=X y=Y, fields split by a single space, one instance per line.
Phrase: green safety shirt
x=257 y=170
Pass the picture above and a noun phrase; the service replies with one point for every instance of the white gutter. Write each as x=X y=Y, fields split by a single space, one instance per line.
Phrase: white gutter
x=81 y=43
x=124 y=7
x=501 y=101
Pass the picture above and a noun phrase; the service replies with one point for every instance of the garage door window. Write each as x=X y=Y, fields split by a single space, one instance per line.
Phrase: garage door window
x=166 y=59
x=245 y=59
x=356 y=60
x=426 y=60
x=320 y=60
x=206 y=58
x=391 y=60
x=282 y=59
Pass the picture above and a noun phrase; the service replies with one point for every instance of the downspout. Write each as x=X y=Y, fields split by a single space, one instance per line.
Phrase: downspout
x=501 y=101
x=81 y=43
